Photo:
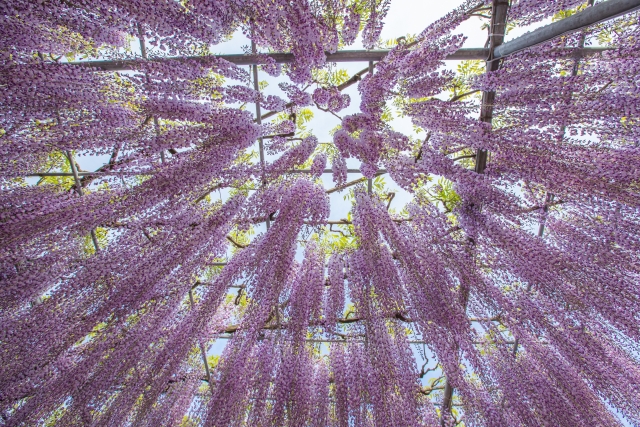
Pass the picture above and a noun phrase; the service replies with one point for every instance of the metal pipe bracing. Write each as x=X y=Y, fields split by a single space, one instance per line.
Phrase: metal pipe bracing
x=256 y=86
x=592 y=15
x=203 y=352
x=143 y=52
x=369 y=181
x=347 y=341
x=98 y=173
x=497 y=31
x=78 y=185
x=281 y=58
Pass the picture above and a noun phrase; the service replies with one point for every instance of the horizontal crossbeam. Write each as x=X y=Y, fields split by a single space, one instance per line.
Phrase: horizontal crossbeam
x=98 y=173
x=350 y=341
x=281 y=58
x=592 y=15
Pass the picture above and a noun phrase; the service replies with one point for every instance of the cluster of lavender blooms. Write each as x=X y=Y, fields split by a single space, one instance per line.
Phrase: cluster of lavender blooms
x=331 y=99
x=112 y=335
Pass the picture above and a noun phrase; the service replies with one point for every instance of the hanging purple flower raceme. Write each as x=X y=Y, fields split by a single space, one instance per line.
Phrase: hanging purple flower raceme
x=305 y=301
x=120 y=295
x=351 y=26
x=297 y=96
x=339 y=169
x=297 y=202
x=373 y=27
x=293 y=157
x=527 y=11
x=54 y=105
x=270 y=66
x=331 y=99
x=321 y=407
x=318 y=165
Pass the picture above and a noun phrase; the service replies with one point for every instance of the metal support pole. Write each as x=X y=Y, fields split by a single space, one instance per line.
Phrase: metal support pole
x=76 y=178
x=370 y=181
x=143 y=52
x=497 y=31
x=157 y=129
x=498 y=27
x=202 y=349
x=601 y=12
x=256 y=86
x=100 y=173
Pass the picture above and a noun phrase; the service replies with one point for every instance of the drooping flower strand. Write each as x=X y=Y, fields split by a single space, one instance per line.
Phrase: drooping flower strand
x=60 y=107
x=449 y=309
x=122 y=294
x=194 y=170
x=299 y=201
x=579 y=145
x=408 y=69
x=419 y=288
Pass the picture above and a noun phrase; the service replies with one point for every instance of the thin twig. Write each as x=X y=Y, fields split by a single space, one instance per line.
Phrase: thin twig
x=462 y=95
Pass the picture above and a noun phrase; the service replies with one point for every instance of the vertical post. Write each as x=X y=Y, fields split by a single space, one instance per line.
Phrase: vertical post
x=157 y=129
x=143 y=48
x=497 y=31
x=143 y=52
x=76 y=178
x=256 y=86
x=370 y=181
x=203 y=352
x=548 y=199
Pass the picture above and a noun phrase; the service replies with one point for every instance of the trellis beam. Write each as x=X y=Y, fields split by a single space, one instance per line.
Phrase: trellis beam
x=143 y=52
x=232 y=329
x=256 y=87
x=100 y=173
x=599 y=13
x=592 y=15
x=464 y=54
x=78 y=185
x=498 y=31
x=347 y=341
x=279 y=57
x=203 y=352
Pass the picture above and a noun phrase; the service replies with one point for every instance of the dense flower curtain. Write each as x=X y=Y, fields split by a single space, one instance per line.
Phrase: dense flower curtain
x=518 y=287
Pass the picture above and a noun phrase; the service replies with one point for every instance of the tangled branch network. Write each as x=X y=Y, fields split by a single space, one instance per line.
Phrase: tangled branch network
x=200 y=276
